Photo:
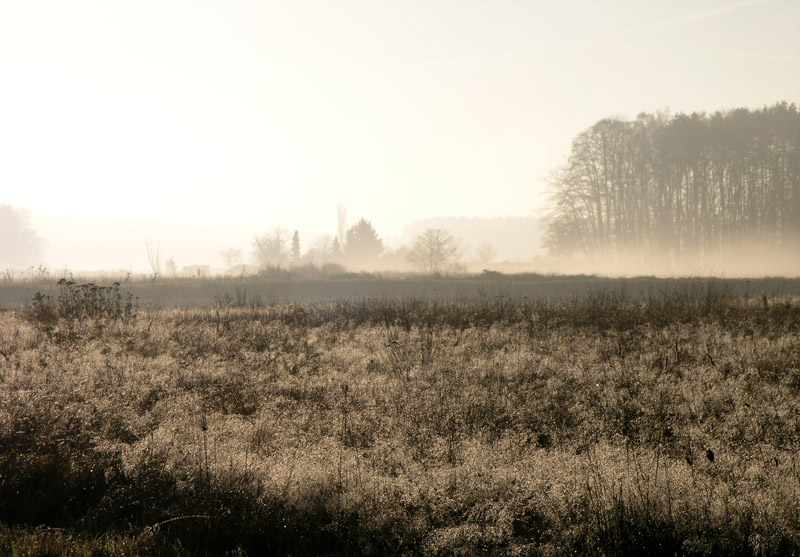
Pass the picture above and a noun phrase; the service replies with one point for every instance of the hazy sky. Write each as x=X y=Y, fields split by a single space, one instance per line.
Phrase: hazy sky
x=235 y=116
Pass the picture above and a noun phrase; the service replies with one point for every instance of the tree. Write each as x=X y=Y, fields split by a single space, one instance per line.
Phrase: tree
x=20 y=245
x=153 y=256
x=172 y=267
x=363 y=245
x=486 y=253
x=341 y=229
x=687 y=186
x=295 y=248
x=321 y=250
x=270 y=249
x=232 y=257
x=433 y=250
x=337 y=253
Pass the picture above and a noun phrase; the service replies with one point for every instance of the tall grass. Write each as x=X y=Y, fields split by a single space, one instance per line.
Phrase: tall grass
x=406 y=426
x=285 y=287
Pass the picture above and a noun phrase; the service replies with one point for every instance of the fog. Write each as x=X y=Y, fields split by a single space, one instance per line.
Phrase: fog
x=200 y=128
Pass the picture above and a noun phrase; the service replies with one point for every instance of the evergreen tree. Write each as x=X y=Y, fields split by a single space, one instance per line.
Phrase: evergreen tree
x=295 y=251
x=336 y=251
x=363 y=244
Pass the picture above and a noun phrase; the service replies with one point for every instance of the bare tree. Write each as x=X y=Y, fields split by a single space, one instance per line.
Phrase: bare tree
x=486 y=253
x=153 y=256
x=232 y=257
x=687 y=185
x=322 y=250
x=433 y=250
x=270 y=249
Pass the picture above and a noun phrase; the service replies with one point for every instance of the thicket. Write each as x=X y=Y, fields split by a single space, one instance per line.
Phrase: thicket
x=605 y=425
x=686 y=185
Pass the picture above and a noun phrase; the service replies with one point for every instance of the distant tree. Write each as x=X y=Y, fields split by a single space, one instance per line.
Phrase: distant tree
x=363 y=244
x=231 y=257
x=295 y=252
x=397 y=260
x=321 y=250
x=341 y=229
x=153 y=256
x=486 y=253
x=270 y=249
x=337 y=253
x=433 y=250
x=20 y=246
x=682 y=186
x=172 y=268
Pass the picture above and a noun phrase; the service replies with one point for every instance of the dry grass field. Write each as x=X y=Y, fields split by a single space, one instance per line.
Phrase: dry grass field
x=602 y=425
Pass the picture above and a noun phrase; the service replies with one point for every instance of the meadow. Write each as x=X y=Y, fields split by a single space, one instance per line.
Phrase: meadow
x=496 y=416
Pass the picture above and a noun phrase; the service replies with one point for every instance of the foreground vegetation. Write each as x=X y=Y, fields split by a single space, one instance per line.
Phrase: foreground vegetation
x=602 y=425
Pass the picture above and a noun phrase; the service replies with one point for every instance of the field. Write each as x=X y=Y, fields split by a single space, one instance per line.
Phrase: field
x=596 y=417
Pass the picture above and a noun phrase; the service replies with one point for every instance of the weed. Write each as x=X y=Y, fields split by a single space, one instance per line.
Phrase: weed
x=78 y=302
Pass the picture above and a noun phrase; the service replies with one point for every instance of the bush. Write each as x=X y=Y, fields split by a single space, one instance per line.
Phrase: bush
x=77 y=302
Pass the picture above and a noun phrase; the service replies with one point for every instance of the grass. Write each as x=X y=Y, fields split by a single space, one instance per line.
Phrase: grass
x=513 y=426
x=288 y=287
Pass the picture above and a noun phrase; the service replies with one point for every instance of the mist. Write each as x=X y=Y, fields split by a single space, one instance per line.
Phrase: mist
x=461 y=134
x=418 y=277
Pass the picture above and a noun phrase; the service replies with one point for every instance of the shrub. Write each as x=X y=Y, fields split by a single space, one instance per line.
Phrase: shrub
x=77 y=302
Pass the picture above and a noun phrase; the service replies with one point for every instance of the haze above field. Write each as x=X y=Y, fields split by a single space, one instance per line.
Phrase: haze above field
x=202 y=124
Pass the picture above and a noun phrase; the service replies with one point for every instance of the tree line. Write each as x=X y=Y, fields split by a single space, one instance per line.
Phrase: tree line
x=685 y=185
x=433 y=251
x=361 y=246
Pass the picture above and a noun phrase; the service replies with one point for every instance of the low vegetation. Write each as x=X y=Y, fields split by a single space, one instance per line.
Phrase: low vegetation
x=601 y=425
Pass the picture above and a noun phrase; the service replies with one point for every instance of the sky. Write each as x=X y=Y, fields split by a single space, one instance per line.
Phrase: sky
x=199 y=124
